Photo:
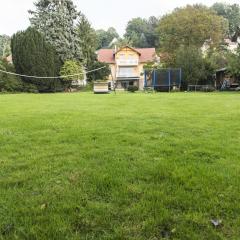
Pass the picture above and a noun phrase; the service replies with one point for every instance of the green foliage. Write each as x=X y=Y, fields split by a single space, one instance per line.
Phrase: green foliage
x=88 y=40
x=142 y=32
x=123 y=42
x=33 y=56
x=56 y=19
x=102 y=74
x=190 y=26
x=105 y=38
x=152 y=65
x=231 y=13
x=5 y=42
x=234 y=64
x=9 y=83
x=72 y=67
x=194 y=66
x=218 y=57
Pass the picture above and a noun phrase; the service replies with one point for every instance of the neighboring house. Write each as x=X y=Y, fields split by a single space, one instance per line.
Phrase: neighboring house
x=232 y=46
x=228 y=43
x=127 y=65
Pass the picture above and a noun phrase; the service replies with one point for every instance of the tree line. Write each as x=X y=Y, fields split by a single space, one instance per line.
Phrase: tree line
x=61 y=40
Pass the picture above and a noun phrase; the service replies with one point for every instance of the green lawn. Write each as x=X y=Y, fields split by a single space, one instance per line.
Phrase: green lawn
x=125 y=166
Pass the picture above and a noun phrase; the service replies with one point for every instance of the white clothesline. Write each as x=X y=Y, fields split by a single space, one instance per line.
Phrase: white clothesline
x=37 y=77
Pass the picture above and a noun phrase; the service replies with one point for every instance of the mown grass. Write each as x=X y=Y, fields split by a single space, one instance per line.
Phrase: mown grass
x=125 y=166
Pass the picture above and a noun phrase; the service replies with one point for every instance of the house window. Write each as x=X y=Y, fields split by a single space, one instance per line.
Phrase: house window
x=126 y=72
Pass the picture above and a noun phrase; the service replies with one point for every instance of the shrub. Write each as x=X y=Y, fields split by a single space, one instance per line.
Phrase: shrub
x=72 y=67
x=9 y=83
x=132 y=89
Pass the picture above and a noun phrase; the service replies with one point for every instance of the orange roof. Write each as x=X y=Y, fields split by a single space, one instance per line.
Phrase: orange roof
x=108 y=55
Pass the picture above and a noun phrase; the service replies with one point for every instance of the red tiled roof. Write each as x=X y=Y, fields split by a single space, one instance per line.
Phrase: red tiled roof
x=147 y=54
x=107 y=55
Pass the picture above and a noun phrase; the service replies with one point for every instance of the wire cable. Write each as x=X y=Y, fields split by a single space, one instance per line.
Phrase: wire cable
x=37 y=77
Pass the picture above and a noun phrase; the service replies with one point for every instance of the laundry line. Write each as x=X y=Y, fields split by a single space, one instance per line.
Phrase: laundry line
x=38 y=77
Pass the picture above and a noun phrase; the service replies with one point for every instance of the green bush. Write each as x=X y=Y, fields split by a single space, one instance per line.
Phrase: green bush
x=132 y=89
x=9 y=83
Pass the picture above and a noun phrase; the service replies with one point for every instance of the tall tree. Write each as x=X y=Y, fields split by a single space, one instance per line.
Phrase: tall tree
x=56 y=20
x=231 y=13
x=106 y=37
x=191 y=25
x=88 y=40
x=33 y=56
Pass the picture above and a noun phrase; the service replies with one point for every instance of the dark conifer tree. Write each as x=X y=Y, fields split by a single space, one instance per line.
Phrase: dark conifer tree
x=33 y=56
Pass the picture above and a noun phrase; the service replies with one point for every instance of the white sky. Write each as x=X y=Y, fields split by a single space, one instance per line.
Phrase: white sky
x=101 y=13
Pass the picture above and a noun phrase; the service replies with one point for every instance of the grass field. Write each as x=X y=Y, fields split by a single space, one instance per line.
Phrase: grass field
x=125 y=166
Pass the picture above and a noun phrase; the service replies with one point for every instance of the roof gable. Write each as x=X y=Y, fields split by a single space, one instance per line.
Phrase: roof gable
x=145 y=55
x=133 y=49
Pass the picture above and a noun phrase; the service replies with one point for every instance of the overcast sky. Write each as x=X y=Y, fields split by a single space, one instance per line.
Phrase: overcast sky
x=101 y=13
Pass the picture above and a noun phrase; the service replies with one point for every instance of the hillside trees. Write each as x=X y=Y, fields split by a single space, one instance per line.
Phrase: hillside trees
x=105 y=38
x=142 y=32
x=56 y=20
x=34 y=56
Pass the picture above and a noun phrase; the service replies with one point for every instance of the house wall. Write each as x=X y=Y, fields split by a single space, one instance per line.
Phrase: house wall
x=141 y=71
x=127 y=53
x=113 y=71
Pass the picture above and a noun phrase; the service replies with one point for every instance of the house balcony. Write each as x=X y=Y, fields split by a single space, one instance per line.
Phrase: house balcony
x=127 y=62
x=122 y=77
